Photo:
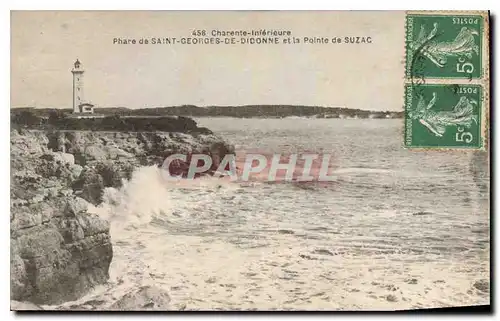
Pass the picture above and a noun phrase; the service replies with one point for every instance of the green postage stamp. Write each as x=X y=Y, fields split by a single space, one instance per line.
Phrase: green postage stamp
x=447 y=80
x=443 y=116
x=444 y=46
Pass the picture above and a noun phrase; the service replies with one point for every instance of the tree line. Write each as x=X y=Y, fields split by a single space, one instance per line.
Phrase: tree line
x=58 y=119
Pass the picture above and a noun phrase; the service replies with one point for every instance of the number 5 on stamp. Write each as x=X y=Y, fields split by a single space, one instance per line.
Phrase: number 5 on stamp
x=443 y=116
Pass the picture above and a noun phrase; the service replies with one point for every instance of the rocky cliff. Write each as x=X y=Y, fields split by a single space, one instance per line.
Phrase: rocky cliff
x=59 y=251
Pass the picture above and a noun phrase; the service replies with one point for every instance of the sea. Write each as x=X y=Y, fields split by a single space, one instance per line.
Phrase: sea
x=395 y=229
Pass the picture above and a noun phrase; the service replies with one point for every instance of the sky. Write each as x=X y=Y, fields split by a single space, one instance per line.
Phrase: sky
x=45 y=44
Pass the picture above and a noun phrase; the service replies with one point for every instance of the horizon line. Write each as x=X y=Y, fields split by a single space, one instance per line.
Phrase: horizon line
x=209 y=106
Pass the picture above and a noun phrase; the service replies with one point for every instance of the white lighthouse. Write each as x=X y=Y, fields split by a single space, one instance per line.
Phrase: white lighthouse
x=79 y=104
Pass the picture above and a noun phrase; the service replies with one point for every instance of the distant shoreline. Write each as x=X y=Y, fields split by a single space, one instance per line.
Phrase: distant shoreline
x=245 y=111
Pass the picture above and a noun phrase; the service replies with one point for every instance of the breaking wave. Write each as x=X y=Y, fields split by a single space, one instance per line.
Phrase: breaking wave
x=138 y=201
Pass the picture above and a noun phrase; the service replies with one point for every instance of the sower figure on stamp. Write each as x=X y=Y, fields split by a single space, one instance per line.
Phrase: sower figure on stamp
x=438 y=52
x=437 y=122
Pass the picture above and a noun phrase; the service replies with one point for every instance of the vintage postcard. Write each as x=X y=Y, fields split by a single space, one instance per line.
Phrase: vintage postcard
x=249 y=160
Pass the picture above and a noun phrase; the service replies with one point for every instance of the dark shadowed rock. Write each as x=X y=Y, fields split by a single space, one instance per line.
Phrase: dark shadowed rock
x=60 y=259
x=89 y=185
x=391 y=298
x=422 y=213
x=322 y=252
x=482 y=285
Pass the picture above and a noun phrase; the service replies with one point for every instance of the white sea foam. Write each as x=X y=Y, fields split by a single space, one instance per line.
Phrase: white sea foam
x=138 y=200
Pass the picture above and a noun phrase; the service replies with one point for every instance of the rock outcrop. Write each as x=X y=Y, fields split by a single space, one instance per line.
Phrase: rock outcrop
x=107 y=158
x=145 y=298
x=59 y=251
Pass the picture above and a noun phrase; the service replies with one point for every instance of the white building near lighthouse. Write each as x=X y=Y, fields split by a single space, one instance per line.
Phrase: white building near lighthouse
x=80 y=106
